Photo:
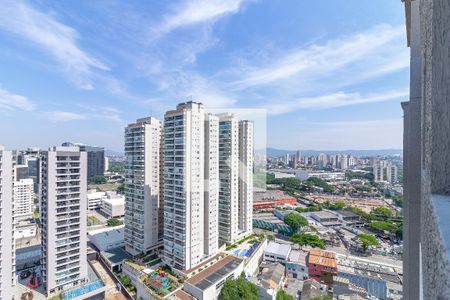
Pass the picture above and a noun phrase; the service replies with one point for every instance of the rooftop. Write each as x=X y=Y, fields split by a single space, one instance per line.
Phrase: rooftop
x=278 y=249
x=119 y=200
x=215 y=273
x=347 y=213
x=323 y=214
x=182 y=295
x=116 y=256
x=323 y=258
x=107 y=235
x=270 y=195
x=298 y=256
x=271 y=275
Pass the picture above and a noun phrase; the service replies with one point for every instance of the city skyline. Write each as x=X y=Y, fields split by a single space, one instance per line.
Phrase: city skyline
x=85 y=84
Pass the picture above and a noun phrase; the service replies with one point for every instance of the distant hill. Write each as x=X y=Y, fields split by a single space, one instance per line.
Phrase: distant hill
x=113 y=153
x=381 y=152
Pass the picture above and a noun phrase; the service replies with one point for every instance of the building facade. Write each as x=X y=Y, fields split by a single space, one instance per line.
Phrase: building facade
x=7 y=247
x=95 y=159
x=245 y=206
x=426 y=142
x=184 y=185
x=228 y=178
x=211 y=185
x=23 y=199
x=63 y=217
x=143 y=203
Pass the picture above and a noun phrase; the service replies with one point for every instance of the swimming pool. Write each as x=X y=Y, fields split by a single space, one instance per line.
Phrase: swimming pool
x=87 y=288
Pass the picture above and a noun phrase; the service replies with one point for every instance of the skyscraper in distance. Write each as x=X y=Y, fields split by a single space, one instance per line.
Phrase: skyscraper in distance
x=95 y=158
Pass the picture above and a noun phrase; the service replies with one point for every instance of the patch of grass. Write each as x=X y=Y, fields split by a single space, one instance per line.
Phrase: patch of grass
x=92 y=220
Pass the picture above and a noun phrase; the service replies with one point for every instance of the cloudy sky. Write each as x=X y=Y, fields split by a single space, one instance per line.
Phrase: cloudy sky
x=331 y=74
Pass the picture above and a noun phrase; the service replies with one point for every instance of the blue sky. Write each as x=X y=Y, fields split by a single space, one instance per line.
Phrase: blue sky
x=331 y=74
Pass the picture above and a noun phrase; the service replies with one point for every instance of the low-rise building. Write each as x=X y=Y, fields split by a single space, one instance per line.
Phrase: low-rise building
x=326 y=218
x=296 y=265
x=380 y=281
x=208 y=283
x=25 y=229
x=276 y=252
x=113 y=205
x=322 y=265
x=272 y=198
x=23 y=199
x=348 y=216
x=270 y=280
x=107 y=238
x=94 y=199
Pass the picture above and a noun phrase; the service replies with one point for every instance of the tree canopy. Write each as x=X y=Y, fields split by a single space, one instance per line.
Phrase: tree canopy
x=114 y=222
x=308 y=239
x=368 y=240
x=310 y=208
x=383 y=212
x=398 y=200
x=116 y=167
x=295 y=221
x=121 y=188
x=338 y=205
x=315 y=181
x=282 y=295
x=239 y=289
x=383 y=225
x=98 y=179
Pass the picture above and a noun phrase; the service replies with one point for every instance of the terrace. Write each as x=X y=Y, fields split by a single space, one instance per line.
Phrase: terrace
x=246 y=246
x=160 y=282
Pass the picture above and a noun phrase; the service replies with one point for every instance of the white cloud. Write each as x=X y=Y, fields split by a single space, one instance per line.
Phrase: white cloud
x=64 y=116
x=10 y=101
x=333 y=100
x=101 y=112
x=192 y=12
x=53 y=37
x=371 y=53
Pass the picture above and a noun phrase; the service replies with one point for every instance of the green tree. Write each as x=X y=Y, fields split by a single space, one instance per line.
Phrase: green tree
x=315 y=181
x=239 y=289
x=282 y=295
x=121 y=189
x=368 y=240
x=383 y=225
x=309 y=208
x=398 y=200
x=383 y=212
x=308 y=239
x=295 y=221
x=364 y=216
x=338 y=205
x=98 y=179
x=116 y=167
x=114 y=222
x=125 y=280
